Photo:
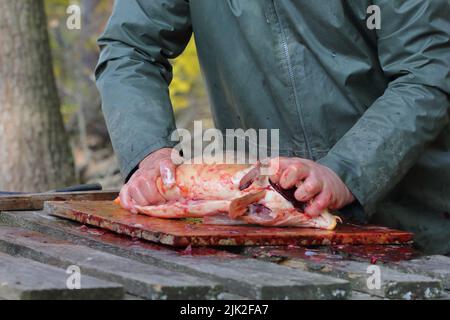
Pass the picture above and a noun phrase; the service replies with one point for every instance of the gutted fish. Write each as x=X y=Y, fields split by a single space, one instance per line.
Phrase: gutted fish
x=232 y=194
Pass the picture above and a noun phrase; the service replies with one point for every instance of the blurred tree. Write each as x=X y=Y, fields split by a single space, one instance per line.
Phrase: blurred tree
x=34 y=149
x=75 y=55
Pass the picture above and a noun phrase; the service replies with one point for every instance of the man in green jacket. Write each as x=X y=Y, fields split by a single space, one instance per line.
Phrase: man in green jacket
x=363 y=112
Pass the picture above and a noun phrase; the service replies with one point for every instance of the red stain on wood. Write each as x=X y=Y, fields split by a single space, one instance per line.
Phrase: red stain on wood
x=182 y=233
x=364 y=253
x=378 y=253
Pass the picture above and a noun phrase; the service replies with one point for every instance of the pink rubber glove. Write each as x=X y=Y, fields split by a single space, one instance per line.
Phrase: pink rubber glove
x=317 y=185
x=141 y=187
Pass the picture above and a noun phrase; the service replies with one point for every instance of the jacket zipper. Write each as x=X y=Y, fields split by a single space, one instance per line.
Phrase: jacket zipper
x=292 y=80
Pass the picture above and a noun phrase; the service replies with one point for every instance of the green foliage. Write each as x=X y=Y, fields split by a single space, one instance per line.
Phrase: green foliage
x=187 y=82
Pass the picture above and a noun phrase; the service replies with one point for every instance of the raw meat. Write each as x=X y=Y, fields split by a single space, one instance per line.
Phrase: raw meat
x=232 y=194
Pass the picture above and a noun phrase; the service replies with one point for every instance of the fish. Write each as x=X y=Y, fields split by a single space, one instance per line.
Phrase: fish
x=232 y=194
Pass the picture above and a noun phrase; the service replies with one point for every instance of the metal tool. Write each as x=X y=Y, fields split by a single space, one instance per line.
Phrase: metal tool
x=74 y=188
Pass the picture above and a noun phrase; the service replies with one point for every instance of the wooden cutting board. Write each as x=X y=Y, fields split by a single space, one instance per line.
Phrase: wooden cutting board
x=108 y=215
x=36 y=201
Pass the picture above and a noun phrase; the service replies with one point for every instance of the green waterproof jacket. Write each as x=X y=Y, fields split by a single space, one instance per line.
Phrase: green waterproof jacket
x=371 y=104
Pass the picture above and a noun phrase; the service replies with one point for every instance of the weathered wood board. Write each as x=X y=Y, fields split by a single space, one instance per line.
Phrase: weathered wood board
x=107 y=215
x=230 y=269
x=393 y=284
x=36 y=201
x=267 y=280
x=23 y=279
x=139 y=279
x=433 y=266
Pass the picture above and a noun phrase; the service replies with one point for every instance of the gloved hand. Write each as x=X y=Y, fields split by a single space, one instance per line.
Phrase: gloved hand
x=141 y=187
x=315 y=184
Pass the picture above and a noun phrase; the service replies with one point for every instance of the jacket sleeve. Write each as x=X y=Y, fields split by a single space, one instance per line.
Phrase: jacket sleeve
x=414 y=52
x=134 y=72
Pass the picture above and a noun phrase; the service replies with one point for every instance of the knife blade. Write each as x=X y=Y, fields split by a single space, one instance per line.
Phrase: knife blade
x=74 y=188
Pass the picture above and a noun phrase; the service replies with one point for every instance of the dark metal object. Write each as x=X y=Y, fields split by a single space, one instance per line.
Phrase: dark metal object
x=74 y=188
x=288 y=194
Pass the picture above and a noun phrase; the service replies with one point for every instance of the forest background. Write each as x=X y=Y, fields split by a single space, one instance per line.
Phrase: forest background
x=33 y=152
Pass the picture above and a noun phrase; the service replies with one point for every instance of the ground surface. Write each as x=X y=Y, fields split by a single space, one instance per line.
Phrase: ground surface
x=41 y=255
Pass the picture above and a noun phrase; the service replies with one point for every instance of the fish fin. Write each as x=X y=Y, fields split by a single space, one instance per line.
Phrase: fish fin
x=239 y=206
x=281 y=218
x=325 y=221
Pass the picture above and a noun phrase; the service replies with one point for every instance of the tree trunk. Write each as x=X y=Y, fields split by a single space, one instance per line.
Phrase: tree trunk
x=34 y=150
